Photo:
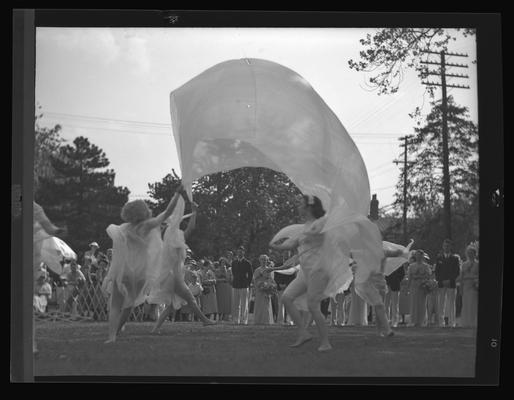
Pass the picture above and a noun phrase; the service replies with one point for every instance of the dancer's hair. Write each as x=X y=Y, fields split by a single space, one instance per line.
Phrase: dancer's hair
x=314 y=203
x=135 y=211
x=263 y=256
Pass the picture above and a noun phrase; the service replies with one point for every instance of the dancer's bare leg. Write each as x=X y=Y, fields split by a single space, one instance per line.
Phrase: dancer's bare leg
x=382 y=322
x=183 y=291
x=162 y=318
x=319 y=318
x=308 y=319
x=123 y=319
x=115 y=312
x=292 y=311
x=295 y=289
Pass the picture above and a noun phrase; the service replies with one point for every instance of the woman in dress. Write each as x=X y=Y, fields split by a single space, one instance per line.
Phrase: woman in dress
x=137 y=248
x=263 y=275
x=170 y=287
x=358 y=315
x=404 y=301
x=311 y=278
x=208 y=297
x=469 y=284
x=223 y=290
x=432 y=301
x=419 y=272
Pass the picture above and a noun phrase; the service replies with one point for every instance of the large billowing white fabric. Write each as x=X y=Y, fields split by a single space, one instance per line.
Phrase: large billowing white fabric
x=53 y=250
x=257 y=113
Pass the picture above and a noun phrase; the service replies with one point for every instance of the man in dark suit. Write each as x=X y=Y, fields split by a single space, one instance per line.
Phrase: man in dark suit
x=242 y=274
x=447 y=270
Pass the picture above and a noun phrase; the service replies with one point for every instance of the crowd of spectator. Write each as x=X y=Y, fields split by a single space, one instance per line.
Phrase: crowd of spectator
x=233 y=289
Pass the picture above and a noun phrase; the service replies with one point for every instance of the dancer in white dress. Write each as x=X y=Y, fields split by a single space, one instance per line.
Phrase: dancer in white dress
x=311 y=279
x=43 y=229
x=137 y=252
x=370 y=284
x=170 y=287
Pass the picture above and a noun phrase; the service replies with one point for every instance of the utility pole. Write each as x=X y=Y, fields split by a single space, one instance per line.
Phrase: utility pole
x=446 y=156
x=405 y=163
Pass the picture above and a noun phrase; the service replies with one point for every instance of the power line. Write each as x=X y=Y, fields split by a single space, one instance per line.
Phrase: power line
x=145 y=133
x=141 y=124
x=87 y=117
x=382 y=172
x=373 y=140
x=383 y=188
x=379 y=166
x=379 y=110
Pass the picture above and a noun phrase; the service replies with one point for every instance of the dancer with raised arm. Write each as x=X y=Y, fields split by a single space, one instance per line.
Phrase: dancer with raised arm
x=137 y=252
x=311 y=279
x=170 y=287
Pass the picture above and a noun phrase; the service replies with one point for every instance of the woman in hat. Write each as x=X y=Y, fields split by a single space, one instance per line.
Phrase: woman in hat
x=208 y=298
x=137 y=251
x=419 y=272
x=170 y=287
x=223 y=290
x=91 y=256
x=469 y=284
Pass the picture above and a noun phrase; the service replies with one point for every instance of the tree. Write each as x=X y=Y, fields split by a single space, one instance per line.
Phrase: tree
x=425 y=179
x=245 y=207
x=47 y=142
x=390 y=50
x=82 y=194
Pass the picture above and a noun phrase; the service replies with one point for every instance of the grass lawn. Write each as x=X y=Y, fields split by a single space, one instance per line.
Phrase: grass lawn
x=190 y=349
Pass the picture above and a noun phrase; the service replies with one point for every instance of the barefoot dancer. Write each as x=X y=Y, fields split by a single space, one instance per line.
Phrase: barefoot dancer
x=137 y=252
x=170 y=288
x=370 y=288
x=311 y=279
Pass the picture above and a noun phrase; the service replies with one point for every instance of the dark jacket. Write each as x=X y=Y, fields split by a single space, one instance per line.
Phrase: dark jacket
x=447 y=269
x=242 y=273
x=394 y=279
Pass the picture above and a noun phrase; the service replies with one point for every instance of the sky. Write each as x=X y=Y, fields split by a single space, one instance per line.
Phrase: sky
x=112 y=86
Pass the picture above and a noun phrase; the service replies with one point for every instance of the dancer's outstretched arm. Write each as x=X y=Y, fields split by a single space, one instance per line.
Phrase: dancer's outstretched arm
x=192 y=221
x=289 y=263
x=278 y=245
x=158 y=220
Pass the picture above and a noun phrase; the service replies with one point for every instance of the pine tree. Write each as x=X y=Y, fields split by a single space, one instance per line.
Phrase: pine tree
x=82 y=194
x=425 y=178
x=47 y=142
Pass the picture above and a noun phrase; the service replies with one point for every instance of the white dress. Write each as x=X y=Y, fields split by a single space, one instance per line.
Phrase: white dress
x=134 y=262
x=324 y=270
x=171 y=266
